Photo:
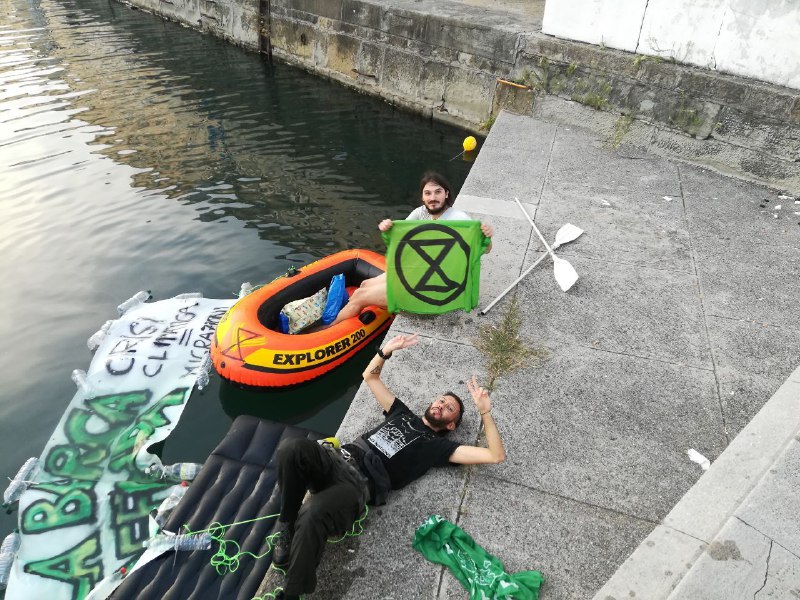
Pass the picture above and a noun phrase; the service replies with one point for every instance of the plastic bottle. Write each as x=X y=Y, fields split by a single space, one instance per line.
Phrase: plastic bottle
x=20 y=482
x=81 y=382
x=203 y=371
x=135 y=300
x=98 y=336
x=183 y=471
x=169 y=503
x=246 y=288
x=186 y=541
x=8 y=552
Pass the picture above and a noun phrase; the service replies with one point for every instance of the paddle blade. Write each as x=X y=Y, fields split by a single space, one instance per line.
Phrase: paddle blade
x=567 y=233
x=565 y=275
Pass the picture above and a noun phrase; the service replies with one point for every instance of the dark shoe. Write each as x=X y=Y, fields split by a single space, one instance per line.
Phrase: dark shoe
x=283 y=544
x=281 y=595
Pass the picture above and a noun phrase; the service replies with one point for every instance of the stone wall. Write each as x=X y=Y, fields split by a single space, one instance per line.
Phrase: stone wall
x=461 y=64
x=751 y=38
x=429 y=58
x=734 y=125
x=234 y=20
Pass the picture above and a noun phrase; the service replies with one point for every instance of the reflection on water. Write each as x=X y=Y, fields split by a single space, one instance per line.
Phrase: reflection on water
x=137 y=154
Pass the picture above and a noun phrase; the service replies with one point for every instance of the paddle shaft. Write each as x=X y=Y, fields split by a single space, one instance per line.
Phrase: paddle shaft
x=536 y=229
x=512 y=286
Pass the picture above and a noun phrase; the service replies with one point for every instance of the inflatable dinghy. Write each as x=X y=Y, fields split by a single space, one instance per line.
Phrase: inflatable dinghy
x=249 y=349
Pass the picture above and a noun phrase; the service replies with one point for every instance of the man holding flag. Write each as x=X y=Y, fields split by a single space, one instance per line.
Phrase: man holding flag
x=437 y=205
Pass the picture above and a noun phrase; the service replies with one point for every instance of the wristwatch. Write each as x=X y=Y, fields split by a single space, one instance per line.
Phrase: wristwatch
x=384 y=356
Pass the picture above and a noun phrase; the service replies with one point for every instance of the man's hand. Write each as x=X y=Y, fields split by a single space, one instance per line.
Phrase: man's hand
x=372 y=374
x=494 y=451
x=399 y=342
x=479 y=395
x=488 y=231
x=386 y=225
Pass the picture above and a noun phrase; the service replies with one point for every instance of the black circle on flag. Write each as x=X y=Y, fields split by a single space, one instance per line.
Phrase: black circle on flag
x=435 y=252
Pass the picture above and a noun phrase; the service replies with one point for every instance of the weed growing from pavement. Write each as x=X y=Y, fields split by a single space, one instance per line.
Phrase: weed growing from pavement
x=503 y=348
x=621 y=128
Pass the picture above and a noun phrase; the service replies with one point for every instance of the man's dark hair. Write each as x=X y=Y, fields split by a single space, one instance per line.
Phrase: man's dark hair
x=438 y=179
x=460 y=407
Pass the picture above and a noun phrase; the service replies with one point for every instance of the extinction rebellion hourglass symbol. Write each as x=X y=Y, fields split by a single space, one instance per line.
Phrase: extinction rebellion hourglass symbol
x=445 y=259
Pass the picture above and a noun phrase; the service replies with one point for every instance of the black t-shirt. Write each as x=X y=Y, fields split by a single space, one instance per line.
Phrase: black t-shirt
x=407 y=447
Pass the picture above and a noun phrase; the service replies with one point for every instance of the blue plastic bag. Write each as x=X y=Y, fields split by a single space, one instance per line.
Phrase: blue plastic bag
x=337 y=298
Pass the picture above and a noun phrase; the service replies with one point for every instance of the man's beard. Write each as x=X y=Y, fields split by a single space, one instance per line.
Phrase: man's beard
x=435 y=421
x=437 y=211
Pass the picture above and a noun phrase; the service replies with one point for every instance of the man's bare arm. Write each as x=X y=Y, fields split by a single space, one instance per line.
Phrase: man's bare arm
x=494 y=452
x=372 y=374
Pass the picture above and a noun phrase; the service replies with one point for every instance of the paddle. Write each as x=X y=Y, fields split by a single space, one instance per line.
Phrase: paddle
x=567 y=233
x=565 y=275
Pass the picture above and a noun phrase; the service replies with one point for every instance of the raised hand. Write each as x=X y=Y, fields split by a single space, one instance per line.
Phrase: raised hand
x=479 y=395
x=399 y=342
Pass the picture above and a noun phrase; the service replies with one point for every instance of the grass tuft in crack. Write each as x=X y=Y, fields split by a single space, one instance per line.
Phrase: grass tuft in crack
x=503 y=348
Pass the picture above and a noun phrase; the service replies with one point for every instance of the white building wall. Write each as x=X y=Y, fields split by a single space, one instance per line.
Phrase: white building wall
x=752 y=38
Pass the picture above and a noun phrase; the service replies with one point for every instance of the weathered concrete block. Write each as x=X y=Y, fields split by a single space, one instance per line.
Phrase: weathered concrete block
x=469 y=94
x=403 y=23
x=364 y=14
x=756 y=132
x=674 y=108
x=439 y=53
x=401 y=72
x=584 y=55
x=551 y=48
x=369 y=62
x=294 y=38
x=701 y=84
x=342 y=53
x=334 y=26
x=471 y=38
x=655 y=72
x=768 y=101
x=729 y=159
x=513 y=98
x=323 y=8
x=433 y=82
x=480 y=63
x=294 y=15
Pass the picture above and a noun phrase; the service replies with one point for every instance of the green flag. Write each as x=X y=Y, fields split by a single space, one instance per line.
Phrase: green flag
x=433 y=267
x=482 y=574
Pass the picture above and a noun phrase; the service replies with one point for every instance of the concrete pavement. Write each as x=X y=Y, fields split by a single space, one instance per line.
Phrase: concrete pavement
x=682 y=327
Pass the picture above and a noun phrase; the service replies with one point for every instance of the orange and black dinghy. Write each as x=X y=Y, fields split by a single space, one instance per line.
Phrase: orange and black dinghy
x=249 y=349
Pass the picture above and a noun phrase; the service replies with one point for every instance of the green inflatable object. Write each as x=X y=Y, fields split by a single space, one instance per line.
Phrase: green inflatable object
x=433 y=267
x=481 y=574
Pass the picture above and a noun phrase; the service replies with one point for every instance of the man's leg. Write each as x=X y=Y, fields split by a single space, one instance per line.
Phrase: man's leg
x=327 y=513
x=303 y=465
x=371 y=293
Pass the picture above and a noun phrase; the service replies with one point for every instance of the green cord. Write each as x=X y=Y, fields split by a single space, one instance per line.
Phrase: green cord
x=359 y=522
x=227 y=558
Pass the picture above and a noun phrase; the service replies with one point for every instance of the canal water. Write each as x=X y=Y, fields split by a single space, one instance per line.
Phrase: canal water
x=138 y=154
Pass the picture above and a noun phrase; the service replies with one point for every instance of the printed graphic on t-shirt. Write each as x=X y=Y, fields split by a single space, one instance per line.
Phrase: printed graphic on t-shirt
x=395 y=435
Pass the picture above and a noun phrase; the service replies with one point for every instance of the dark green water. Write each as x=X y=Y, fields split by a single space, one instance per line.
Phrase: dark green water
x=137 y=154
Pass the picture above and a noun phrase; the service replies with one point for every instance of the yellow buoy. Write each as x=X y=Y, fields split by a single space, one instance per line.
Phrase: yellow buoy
x=469 y=144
